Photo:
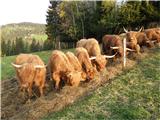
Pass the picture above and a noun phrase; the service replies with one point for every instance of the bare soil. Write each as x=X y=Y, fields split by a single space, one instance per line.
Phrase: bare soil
x=15 y=106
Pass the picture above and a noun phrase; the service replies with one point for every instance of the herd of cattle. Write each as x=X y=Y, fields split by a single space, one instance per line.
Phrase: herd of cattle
x=84 y=64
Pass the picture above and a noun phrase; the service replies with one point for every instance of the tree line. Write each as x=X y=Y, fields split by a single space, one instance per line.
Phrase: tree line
x=73 y=20
x=19 y=45
x=70 y=21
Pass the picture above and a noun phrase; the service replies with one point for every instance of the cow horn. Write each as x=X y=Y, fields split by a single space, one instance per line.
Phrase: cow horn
x=140 y=29
x=17 y=66
x=39 y=66
x=107 y=56
x=114 y=48
x=125 y=30
x=148 y=41
x=154 y=41
x=92 y=58
x=130 y=49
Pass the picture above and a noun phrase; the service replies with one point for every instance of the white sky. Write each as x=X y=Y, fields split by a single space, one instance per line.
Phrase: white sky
x=14 y=11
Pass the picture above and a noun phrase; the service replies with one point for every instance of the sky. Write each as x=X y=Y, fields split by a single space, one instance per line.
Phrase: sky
x=15 y=11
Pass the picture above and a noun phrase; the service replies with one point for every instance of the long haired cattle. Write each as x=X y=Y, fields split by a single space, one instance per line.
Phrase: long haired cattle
x=30 y=69
x=153 y=34
x=76 y=64
x=61 y=69
x=94 y=51
x=113 y=44
x=137 y=39
x=85 y=62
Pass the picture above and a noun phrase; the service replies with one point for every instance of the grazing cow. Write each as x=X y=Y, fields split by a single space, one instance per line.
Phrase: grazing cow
x=76 y=64
x=112 y=44
x=137 y=39
x=94 y=51
x=85 y=62
x=30 y=69
x=153 y=34
x=60 y=68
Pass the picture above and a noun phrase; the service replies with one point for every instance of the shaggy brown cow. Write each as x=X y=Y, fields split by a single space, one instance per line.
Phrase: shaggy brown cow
x=30 y=69
x=109 y=41
x=153 y=34
x=85 y=62
x=112 y=44
x=76 y=64
x=93 y=48
x=137 y=39
x=61 y=68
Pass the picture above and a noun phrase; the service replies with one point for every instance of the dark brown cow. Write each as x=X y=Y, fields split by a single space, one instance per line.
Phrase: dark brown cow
x=60 y=68
x=30 y=69
x=113 y=44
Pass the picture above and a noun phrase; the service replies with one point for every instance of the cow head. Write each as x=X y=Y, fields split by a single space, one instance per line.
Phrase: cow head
x=91 y=73
x=100 y=62
x=84 y=76
x=74 y=78
x=131 y=35
x=26 y=72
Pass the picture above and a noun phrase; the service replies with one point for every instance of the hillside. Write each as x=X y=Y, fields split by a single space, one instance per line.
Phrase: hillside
x=25 y=30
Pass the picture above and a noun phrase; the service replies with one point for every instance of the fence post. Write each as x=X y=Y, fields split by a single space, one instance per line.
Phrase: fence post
x=124 y=53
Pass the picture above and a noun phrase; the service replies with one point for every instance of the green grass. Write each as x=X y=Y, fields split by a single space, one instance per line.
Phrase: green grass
x=7 y=70
x=135 y=94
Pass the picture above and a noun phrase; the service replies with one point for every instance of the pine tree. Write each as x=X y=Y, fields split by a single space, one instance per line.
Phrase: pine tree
x=3 y=48
x=53 y=23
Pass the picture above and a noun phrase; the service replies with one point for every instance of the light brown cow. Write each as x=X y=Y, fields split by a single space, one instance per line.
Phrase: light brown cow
x=30 y=69
x=85 y=62
x=62 y=69
x=76 y=64
x=94 y=51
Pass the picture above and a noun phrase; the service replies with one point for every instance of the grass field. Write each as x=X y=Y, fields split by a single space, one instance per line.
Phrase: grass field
x=135 y=94
x=7 y=70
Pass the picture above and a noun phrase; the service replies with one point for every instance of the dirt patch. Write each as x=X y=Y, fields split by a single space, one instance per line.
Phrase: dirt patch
x=16 y=107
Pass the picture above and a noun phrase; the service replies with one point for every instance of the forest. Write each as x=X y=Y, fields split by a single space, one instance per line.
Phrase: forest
x=69 y=21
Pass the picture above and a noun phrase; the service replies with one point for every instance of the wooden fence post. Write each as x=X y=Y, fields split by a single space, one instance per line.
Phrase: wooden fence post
x=124 y=53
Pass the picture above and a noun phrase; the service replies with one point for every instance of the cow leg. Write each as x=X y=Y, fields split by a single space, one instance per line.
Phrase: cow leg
x=56 y=78
x=137 y=48
x=30 y=90
x=41 y=88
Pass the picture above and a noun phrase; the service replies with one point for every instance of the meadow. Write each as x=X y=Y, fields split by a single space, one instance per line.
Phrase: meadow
x=135 y=94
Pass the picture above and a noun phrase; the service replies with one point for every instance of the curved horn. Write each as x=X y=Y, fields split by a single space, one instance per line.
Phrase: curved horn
x=39 y=66
x=107 y=56
x=114 y=48
x=125 y=30
x=153 y=41
x=17 y=66
x=140 y=29
x=92 y=58
x=130 y=49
